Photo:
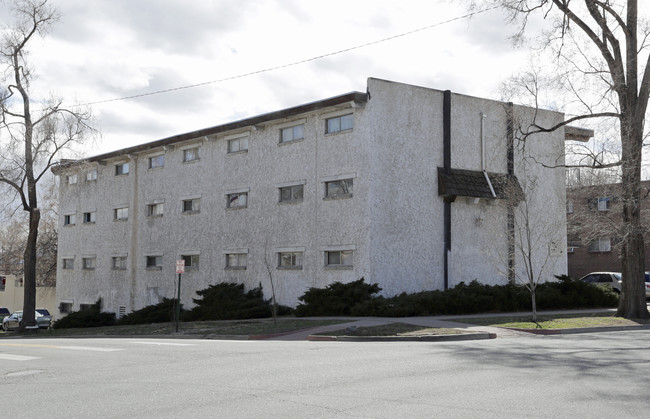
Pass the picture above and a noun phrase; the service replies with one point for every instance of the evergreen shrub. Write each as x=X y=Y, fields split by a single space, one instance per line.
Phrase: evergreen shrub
x=89 y=317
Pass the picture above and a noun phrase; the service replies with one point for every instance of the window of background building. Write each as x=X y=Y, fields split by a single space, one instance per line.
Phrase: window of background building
x=156 y=161
x=238 y=200
x=88 y=263
x=155 y=210
x=69 y=220
x=118 y=262
x=191 y=205
x=238 y=144
x=602 y=244
x=154 y=262
x=121 y=169
x=339 y=188
x=290 y=260
x=191 y=262
x=603 y=204
x=339 y=123
x=236 y=260
x=338 y=258
x=121 y=214
x=294 y=133
x=90 y=217
x=68 y=263
x=191 y=154
x=72 y=179
x=291 y=193
x=91 y=175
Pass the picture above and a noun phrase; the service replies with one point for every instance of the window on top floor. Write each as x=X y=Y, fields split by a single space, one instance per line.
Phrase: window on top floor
x=191 y=154
x=238 y=145
x=88 y=263
x=69 y=220
x=339 y=123
x=156 y=161
x=90 y=217
x=72 y=179
x=155 y=210
x=236 y=260
x=121 y=169
x=290 y=260
x=291 y=194
x=91 y=175
x=121 y=214
x=294 y=133
x=118 y=262
x=237 y=200
x=68 y=263
x=191 y=205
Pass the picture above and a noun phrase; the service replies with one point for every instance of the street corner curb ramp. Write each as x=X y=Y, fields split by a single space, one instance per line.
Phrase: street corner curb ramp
x=421 y=338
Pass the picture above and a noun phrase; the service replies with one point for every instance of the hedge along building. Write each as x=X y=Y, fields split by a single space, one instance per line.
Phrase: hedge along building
x=389 y=185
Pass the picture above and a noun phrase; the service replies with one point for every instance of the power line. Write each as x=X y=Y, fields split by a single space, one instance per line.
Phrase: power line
x=295 y=63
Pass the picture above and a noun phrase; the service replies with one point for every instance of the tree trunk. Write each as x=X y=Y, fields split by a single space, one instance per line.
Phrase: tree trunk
x=29 y=304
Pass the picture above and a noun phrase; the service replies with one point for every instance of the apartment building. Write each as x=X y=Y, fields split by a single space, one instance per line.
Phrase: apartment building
x=403 y=185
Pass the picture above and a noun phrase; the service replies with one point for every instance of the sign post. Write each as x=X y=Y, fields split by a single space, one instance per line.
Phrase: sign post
x=180 y=269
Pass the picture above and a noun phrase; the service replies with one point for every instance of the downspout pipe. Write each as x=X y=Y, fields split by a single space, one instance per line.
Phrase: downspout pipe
x=446 y=140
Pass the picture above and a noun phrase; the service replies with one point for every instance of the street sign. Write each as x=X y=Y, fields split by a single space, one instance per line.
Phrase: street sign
x=180 y=266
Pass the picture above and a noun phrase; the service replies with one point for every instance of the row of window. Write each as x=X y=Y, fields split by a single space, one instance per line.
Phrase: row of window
x=287 y=194
x=600 y=204
x=285 y=260
x=235 y=145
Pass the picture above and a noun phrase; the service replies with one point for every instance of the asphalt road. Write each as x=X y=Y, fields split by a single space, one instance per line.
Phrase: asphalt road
x=569 y=376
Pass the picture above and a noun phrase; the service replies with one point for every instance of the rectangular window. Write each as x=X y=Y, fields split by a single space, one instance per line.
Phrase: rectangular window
x=118 y=262
x=72 y=179
x=339 y=123
x=292 y=133
x=341 y=258
x=69 y=220
x=88 y=263
x=191 y=205
x=237 y=145
x=191 y=262
x=65 y=308
x=121 y=213
x=569 y=206
x=121 y=169
x=91 y=175
x=603 y=204
x=236 y=260
x=154 y=262
x=89 y=217
x=238 y=200
x=68 y=263
x=338 y=188
x=156 y=161
x=155 y=210
x=290 y=260
x=191 y=154
x=291 y=193
x=603 y=244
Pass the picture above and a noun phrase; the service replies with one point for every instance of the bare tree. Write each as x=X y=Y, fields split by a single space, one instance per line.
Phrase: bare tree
x=31 y=140
x=600 y=71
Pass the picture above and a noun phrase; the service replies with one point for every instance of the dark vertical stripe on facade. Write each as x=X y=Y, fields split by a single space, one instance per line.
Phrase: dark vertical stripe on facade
x=446 y=140
x=511 y=209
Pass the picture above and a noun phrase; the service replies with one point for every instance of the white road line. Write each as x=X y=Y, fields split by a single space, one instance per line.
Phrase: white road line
x=10 y=357
x=88 y=348
x=165 y=344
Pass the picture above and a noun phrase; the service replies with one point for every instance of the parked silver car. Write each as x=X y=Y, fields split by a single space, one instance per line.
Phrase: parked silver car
x=611 y=279
x=13 y=321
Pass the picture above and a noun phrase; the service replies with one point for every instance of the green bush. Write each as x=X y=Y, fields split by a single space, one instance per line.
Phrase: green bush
x=162 y=312
x=356 y=299
x=89 y=317
x=337 y=299
x=228 y=301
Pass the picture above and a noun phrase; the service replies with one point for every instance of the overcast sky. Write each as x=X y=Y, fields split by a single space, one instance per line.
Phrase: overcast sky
x=103 y=50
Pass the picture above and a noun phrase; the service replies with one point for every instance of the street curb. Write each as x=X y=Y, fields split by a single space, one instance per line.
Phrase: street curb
x=579 y=330
x=425 y=338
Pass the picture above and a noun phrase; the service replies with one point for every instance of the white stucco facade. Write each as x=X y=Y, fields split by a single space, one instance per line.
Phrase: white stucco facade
x=387 y=227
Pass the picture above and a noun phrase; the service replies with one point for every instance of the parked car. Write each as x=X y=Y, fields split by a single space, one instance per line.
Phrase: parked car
x=611 y=279
x=13 y=321
x=4 y=312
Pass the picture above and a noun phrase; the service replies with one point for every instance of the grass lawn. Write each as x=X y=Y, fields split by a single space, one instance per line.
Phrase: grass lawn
x=198 y=329
x=559 y=321
x=393 y=329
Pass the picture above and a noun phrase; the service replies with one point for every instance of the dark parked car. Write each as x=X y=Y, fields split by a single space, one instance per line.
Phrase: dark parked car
x=4 y=312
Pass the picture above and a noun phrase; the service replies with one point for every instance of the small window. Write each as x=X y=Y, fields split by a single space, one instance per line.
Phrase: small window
x=72 y=179
x=571 y=249
x=191 y=154
x=155 y=210
x=238 y=144
x=88 y=263
x=338 y=258
x=191 y=205
x=121 y=169
x=156 y=162
x=338 y=188
x=191 y=262
x=121 y=214
x=236 y=260
x=238 y=200
x=290 y=260
x=154 y=262
x=89 y=217
x=339 y=123
x=118 y=262
x=569 y=206
x=65 y=308
x=600 y=245
x=69 y=220
x=68 y=263
x=91 y=175
x=292 y=133
x=291 y=193
x=603 y=204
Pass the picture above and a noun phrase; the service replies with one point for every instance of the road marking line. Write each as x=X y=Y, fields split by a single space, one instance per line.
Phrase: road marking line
x=165 y=343
x=74 y=348
x=10 y=357
x=23 y=373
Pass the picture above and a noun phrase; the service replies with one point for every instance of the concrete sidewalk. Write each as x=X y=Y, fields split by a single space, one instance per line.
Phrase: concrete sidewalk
x=431 y=321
